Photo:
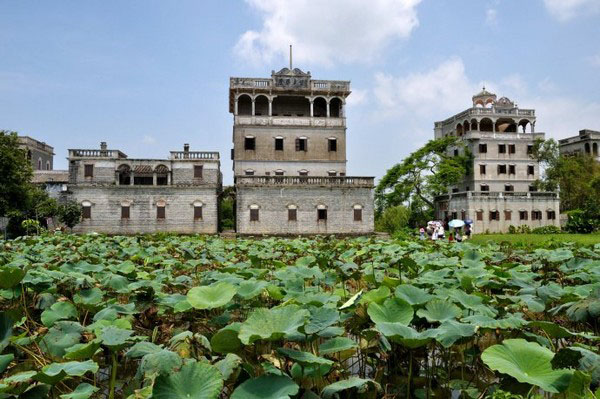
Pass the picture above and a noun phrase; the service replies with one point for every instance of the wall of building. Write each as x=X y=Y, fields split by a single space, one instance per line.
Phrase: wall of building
x=179 y=214
x=273 y=205
x=291 y=168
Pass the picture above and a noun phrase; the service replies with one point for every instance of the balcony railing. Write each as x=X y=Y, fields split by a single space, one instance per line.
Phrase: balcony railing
x=497 y=194
x=325 y=181
x=266 y=83
x=490 y=111
x=289 y=121
x=96 y=154
x=207 y=155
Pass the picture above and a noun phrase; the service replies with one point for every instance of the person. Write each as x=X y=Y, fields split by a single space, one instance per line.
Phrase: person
x=435 y=234
x=441 y=232
x=468 y=231
x=422 y=233
x=459 y=236
x=450 y=237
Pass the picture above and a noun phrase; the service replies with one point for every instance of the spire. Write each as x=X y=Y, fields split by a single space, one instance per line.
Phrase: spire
x=290 y=57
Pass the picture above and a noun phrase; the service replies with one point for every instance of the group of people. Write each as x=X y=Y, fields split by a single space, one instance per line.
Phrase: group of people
x=436 y=230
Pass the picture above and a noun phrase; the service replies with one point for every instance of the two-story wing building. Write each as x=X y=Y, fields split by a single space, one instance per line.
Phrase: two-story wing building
x=500 y=191
x=586 y=143
x=289 y=157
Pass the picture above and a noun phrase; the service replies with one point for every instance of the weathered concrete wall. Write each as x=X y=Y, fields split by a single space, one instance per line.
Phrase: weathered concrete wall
x=291 y=168
x=106 y=209
x=273 y=203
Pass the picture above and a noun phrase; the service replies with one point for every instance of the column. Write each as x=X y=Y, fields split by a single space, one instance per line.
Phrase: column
x=533 y=127
x=154 y=178
x=328 y=108
x=343 y=110
x=235 y=107
x=169 y=178
x=131 y=178
x=311 y=108
x=270 y=107
x=253 y=107
x=117 y=178
x=494 y=126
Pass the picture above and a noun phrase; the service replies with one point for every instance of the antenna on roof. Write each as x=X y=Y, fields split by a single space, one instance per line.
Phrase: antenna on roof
x=290 y=57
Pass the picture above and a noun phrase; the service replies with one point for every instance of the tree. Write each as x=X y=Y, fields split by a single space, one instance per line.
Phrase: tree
x=421 y=176
x=15 y=175
x=393 y=219
x=69 y=214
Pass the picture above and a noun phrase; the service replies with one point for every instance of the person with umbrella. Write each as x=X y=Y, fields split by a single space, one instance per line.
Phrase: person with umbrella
x=456 y=224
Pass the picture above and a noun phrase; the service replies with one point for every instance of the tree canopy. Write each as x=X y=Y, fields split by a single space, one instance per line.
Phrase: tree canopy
x=422 y=175
x=15 y=175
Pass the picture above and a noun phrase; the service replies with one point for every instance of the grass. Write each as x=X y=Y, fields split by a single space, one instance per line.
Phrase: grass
x=537 y=239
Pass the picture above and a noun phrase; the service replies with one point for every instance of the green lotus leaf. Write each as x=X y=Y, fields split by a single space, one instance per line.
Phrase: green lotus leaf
x=82 y=351
x=482 y=321
x=194 y=380
x=352 y=301
x=321 y=318
x=272 y=324
x=58 y=311
x=11 y=275
x=6 y=325
x=83 y=391
x=337 y=344
x=114 y=337
x=303 y=357
x=5 y=361
x=55 y=372
x=451 y=331
x=393 y=310
x=251 y=288
x=228 y=365
x=226 y=339
x=579 y=358
x=141 y=349
x=267 y=386
x=300 y=371
x=353 y=382
x=406 y=336
x=37 y=391
x=162 y=362
x=438 y=310
x=89 y=297
x=211 y=296
x=528 y=362
x=377 y=295
x=63 y=335
x=412 y=295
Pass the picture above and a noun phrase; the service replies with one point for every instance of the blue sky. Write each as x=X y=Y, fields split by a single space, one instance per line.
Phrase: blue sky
x=148 y=76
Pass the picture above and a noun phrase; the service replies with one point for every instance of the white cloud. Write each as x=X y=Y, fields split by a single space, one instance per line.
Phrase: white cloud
x=326 y=32
x=491 y=17
x=594 y=60
x=358 y=96
x=148 y=140
x=564 y=10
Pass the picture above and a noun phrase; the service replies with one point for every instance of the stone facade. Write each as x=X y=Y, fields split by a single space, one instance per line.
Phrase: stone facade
x=500 y=190
x=40 y=154
x=586 y=143
x=289 y=157
x=120 y=195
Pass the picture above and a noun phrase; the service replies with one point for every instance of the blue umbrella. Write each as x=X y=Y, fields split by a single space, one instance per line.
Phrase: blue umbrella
x=469 y=221
x=456 y=223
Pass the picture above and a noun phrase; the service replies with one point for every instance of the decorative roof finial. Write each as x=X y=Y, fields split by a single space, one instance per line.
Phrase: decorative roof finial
x=290 y=57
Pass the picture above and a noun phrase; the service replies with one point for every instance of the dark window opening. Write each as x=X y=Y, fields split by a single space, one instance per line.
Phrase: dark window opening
x=322 y=214
x=479 y=215
x=501 y=148
x=523 y=215
x=278 y=144
x=455 y=190
x=455 y=153
x=532 y=188
x=332 y=173
x=249 y=173
x=512 y=169
x=358 y=214
x=512 y=149
x=303 y=173
x=454 y=215
x=197 y=212
x=124 y=212
x=301 y=144
x=463 y=215
x=482 y=169
x=507 y=215
x=530 y=170
x=254 y=215
x=160 y=212
x=509 y=188
x=494 y=215
x=86 y=212
x=551 y=215
x=536 y=215
x=249 y=143
x=332 y=145
x=485 y=187
x=279 y=173
x=482 y=148
x=162 y=180
x=88 y=171
x=529 y=149
x=143 y=180
x=198 y=171
x=501 y=169
x=292 y=215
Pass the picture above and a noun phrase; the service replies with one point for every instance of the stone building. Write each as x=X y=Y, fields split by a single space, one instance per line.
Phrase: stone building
x=289 y=157
x=586 y=143
x=121 y=195
x=500 y=191
x=40 y=154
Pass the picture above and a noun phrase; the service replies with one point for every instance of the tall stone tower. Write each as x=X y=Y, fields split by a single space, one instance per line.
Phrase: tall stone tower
x=289 y=157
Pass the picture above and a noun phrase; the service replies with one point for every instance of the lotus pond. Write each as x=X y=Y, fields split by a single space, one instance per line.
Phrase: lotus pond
x=172 y=317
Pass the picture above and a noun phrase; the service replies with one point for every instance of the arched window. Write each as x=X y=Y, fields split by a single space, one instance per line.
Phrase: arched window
x=466 y=126
x=39 y=164
x=335 y=108
x=587 y=148
x=292 y=213
x=459 y=130
x=358 y=212
x=244 y=105
x=162 y=173
x=319 y=107
x=124 y=175
x=197 y=209
x=595 y=148
x=291 y=106
x=486 y=125
x=86 y=209
x=473 y=124
x=261 y=105
x=47 y=165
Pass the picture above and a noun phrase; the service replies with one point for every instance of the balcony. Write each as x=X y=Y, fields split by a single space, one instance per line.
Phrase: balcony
x=497 y=194
x=510 y=136
x=268 y=84
x=297 y=181
x=289 y=121
x=96 y=154
x=194 y=155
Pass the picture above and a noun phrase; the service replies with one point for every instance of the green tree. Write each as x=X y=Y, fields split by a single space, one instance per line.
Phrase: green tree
x=393 y=219
x=15 y=176
x=422 y=175
x=69 y=214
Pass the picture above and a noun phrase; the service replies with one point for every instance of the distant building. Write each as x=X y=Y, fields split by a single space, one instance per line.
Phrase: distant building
x=121 y=195
x=586 y=143
x=40 y=154
x=289 y=157
x=500 y=190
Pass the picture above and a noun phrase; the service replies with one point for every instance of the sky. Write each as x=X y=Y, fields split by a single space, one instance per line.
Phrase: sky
x=148 y=76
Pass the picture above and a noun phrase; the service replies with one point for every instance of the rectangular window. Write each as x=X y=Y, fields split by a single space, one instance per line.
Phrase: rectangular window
x=463 y=215
x=507 y=215
x=303 y=173
x=512 y=169
x=86 y=212
x=232 y=154
x=358 y=214
x=322 y=214
x=455 y=153
x=551 y=215
x=523 y=215
x=279 y=173
x=512 y=149
x=254 y=215
x=197 y=213
x=278 y=143
x=509 y=188
x=455 y=190
x=501 y=169
x=536 y=215
x=332 y=173
x=198 y=171
x=249 y=143
x=332 y=145
x=292 y=215
x=532 y=188
x=529 y=149
x=301 y=144
x=485 y=187
x=88 y=171
x=249 y=173
x=124 y=212
x=482 y=148
x=494 y=215
x=160 y=212
x=482 y=169
x=530 y=170
x=501 y=148
x=479 y=215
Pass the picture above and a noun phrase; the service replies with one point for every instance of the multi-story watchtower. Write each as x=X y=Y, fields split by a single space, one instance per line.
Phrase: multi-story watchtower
x=289 y=157
x=500 y=189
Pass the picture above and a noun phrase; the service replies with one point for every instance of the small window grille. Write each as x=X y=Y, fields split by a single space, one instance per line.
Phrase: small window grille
x=160 y=212
x=86 y=212
x=358 y=214
x=198 y=171
x=479 y=215
x=254 y=215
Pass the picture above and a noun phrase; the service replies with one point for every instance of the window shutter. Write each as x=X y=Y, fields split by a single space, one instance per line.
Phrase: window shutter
x=160 y=212
x=124 y=212
x=292 y=215
x=198 y=171
x=357 y=215
x=89 y=171
x=197 y=212
x=254 y=215
x=86 y=212
x=297 y=144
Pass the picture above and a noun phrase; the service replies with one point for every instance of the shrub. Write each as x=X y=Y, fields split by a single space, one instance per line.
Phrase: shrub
x=547 y=230
x=393 y=219
x=522 y=229
x=580 y=221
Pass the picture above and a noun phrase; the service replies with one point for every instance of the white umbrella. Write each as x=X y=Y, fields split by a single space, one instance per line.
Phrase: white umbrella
x=456 y=223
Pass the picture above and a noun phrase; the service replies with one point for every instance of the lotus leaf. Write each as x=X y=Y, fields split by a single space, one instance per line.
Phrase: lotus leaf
x=58 y=311
x=194 y=380
x=90 y=297
x=321 y=318
x=527 y=362
x=63 y=335
x=406 y=336
x=354 y=382
x=337 y=344
x=451 y=331
x=226 y=339
x=114 y=337
x=303 y=357
x=5 y=361
x=228 y=365
x=55 y=372
x=251 y=288
x=83 y=391
x=82 y=351
x=142 y=349
x=377 y=295
x=393 y=310
x=412 y=295
x=267 y=386
x=6 y=326
x=272 y=324
x=162 y=362
x=211 y=296
x=11 y=275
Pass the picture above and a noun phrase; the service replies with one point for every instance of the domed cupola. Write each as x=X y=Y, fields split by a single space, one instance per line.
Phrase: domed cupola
x=484 y=99
x=505 y=102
